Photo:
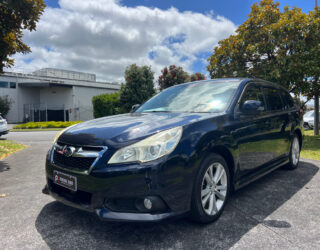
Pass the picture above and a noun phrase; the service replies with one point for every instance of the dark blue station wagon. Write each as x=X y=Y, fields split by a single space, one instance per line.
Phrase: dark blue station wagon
x=181 y=152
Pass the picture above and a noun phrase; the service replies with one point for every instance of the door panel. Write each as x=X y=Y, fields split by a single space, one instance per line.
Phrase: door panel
x=252 y=135
x=254 y=144
x=279 y=122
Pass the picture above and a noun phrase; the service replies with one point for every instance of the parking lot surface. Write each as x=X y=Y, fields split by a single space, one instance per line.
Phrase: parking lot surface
x=281 y=210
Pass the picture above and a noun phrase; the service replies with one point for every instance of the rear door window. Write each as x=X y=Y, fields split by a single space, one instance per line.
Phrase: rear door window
x=273 y=99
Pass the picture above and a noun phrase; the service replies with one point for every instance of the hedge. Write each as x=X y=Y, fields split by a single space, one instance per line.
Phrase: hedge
x=52 y=124
x=106 y=104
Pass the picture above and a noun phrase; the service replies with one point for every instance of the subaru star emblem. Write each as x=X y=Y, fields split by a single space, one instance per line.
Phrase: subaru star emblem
x=68 y=151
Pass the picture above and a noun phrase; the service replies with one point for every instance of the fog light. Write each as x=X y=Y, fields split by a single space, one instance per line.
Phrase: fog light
x=147 y=203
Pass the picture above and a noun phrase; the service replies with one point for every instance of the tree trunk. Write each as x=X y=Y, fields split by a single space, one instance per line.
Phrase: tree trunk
x=316 y=114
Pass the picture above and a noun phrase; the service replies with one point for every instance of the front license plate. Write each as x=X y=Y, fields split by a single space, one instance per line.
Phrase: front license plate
x=65 y=180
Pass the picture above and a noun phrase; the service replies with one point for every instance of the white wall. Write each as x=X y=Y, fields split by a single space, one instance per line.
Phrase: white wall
x=26 y=96
x=56 y=97
x=82 y=102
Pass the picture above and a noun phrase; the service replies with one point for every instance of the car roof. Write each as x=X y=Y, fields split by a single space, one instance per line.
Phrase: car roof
x=241 y=80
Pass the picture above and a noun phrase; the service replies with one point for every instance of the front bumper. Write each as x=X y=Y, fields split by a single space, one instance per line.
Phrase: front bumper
x=109 y=215
x=4 y=132
x=125 y=186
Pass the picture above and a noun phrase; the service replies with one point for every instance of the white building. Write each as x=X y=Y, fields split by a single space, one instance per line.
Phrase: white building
x=52 y=94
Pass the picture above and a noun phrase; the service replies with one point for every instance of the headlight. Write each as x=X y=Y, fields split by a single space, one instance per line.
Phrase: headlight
x=149 y=149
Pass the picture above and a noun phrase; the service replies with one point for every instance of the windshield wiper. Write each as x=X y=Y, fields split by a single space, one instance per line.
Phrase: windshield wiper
x=156 y=111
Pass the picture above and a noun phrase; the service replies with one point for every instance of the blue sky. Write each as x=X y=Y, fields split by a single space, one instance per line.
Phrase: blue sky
x=104 y=36
x=235 y=10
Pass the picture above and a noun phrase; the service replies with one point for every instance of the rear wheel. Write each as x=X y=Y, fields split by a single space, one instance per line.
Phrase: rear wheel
x=294 y=155
x=211 y=190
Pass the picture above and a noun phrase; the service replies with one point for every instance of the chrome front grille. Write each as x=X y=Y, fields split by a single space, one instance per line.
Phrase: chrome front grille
x=76 y=158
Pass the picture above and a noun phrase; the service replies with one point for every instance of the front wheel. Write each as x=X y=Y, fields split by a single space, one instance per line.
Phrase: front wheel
x=211 y=190
x=294 y=154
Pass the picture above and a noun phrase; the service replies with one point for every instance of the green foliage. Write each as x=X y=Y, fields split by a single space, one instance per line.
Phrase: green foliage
x=311 y=146
x=9 y=147
x=16 y=16
x=282 y=47
x=197 y=77
x=5 y=103
x=138 y=87
x=312 y=55
x=172 y=76
x=53 y=124
x=106 y=104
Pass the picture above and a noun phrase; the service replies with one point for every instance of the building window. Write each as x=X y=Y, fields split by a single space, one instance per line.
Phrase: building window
x=12 y=85
x=3 y=84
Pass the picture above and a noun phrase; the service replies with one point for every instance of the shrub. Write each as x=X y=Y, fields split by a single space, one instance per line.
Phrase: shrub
x=51 y=124
x=105 y=104
x=5 y=103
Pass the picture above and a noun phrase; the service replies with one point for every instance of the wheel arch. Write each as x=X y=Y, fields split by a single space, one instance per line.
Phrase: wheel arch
x=299 y=134
x=227 y=155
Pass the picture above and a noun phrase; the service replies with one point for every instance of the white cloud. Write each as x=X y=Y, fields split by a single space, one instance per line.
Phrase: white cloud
x=103 y=37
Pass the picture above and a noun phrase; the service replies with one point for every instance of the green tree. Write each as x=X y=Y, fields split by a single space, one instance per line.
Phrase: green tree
x=172 y=76
x=138 y=87
x=279 y=46
x=312 y=67
x=197 y=77
x=16 y=16
x=106 y=104
x=268 y=45
x=5 y=104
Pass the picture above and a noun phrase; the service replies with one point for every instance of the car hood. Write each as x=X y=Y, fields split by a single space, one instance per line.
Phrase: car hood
x=121 y=130
x=308 y=119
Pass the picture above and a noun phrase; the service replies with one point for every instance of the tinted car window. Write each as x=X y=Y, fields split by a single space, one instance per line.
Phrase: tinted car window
x=287 y=99
x=273 y=99
x=252 y=93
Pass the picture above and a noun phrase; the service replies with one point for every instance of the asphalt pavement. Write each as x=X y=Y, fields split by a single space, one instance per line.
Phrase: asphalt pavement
x=279 y=211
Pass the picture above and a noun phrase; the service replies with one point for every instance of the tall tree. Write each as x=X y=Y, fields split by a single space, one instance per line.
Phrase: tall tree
x=312 y=73
x=138 y=87
x=16 y=16
x=172 y=76
x=282 y=47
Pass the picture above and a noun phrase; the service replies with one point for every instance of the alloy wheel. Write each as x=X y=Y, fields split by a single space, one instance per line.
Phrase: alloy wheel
x=214 y=188
x=295 y=151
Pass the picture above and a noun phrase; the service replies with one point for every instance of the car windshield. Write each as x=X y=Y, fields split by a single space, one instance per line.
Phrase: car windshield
x=208 y=96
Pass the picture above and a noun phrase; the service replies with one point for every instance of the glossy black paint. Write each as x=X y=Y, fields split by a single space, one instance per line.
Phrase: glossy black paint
x=252 y=145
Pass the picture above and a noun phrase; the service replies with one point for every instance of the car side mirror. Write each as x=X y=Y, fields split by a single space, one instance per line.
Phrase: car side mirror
x=252 y=107
x=135 y=107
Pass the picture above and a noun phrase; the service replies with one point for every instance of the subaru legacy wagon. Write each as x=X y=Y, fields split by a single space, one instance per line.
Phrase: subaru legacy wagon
x=180 y=153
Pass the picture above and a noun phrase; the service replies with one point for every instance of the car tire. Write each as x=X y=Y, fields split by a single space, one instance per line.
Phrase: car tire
x=211 y=189
x=294 y=154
